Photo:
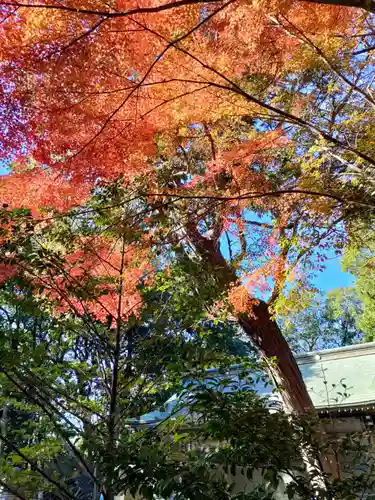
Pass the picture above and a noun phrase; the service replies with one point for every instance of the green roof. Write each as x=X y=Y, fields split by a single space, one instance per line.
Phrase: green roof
x=340 y=378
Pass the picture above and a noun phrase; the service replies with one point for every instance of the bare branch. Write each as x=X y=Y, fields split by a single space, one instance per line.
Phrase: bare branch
x=210 y=138
x=255 y=195
x=78 y=39
x=8 y=15
x=12 y=490
x=110 y=14
x=368 y=5
x=229 y=243
x=364 y=51
x=259 y=224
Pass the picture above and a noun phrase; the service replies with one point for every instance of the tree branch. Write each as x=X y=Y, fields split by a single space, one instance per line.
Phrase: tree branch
x=12 y=490
x=229 y=243
x=256 y=195
x=113 y=406
x=35 y=466
x=109 y=14
x=368 y=5
x=364 y=51
x=79 y=38
x=41 y=405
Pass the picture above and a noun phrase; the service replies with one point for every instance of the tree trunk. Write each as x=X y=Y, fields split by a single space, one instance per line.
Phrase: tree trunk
x=262 y=330
x=266 y=336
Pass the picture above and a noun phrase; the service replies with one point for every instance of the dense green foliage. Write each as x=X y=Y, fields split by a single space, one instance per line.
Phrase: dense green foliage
x=57 y=387
x=359 y=259
x=329 y=321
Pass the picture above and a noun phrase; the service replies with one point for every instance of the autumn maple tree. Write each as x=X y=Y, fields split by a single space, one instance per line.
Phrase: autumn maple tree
x=221 y=131
x=84 y=375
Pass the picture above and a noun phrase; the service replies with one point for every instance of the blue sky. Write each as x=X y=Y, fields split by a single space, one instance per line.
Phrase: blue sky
x=330 y=278
x=3 y=168
x=333 y=276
